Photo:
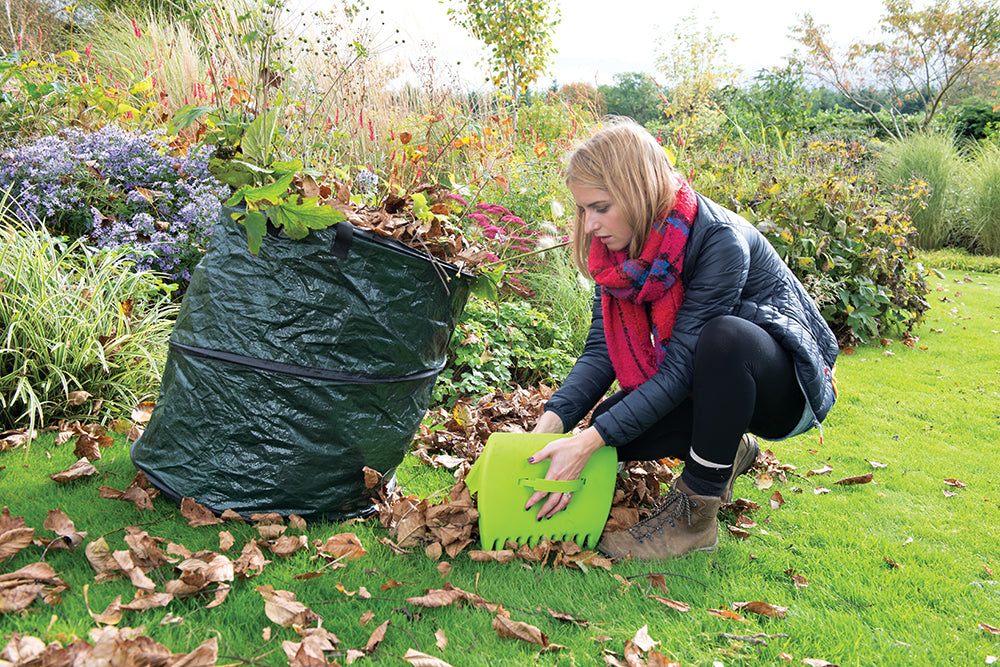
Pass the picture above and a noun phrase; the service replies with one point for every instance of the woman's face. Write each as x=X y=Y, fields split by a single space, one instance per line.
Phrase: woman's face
x=602 y=218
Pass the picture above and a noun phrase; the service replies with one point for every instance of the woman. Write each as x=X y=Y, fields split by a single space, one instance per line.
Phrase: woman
x=708 y=333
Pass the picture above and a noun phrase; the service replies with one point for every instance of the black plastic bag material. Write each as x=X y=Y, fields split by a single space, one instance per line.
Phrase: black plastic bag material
x=290 y=372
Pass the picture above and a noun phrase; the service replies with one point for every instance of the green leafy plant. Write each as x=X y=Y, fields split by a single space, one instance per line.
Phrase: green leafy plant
x=500 y=345
x=818 y=208
x=75 y=320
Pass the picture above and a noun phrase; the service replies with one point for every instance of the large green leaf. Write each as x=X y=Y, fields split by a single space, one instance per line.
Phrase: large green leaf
x=256 y=224
x=258 y=140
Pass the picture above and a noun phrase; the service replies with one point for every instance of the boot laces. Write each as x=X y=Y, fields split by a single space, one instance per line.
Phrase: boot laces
x=674 y=506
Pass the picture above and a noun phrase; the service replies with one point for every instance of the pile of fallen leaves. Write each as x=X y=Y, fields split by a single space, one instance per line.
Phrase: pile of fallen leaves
x=454 y=440
x=421 y=219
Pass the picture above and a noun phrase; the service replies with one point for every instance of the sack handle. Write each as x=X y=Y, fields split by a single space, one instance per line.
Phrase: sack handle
x=552 y=485
x=342 y=241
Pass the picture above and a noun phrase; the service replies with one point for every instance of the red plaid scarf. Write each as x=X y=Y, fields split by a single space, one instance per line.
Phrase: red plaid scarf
x=640 y=296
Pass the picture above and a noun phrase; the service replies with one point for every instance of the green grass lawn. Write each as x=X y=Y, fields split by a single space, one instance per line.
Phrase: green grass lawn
x=900 y=571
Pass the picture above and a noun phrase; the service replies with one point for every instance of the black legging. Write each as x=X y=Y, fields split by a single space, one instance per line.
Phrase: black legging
x=743 y=382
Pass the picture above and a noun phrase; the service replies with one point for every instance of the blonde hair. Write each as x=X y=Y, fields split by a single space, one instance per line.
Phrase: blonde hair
x=623 y=159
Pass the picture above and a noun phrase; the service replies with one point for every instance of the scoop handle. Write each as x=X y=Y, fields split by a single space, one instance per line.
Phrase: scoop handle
x=552 y=485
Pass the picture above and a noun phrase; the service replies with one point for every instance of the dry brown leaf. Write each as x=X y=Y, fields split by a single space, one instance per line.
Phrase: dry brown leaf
x=343 y=545
x=112 y=615
x=777 y=500
x=297 y=522
x=858 y=479
x=419 y=659
x=658 y=581
x=144 y=601
x=444 y=568
x=673 y=604
x=226 y=540
x=643 y=640
x=957 y=483
x=231 y=516
x=270 y=531
x=283 y=609
x=197 y=514
x=372 y=477
x=79 y=470
x=510 y=629
x=251 y=561
x=15 y=438
x=376 y=638
x=568 y=618
x=77 y=397
x=657 y=659
x=366 y=618
x=797 y=579
x=265 y=518
x=738 y=532
x=825 y=470
x=60 y=524
x=133 y=494
x=817 y=662
x=726 y=614
x=286 y=545
x=499 y=556
x=761 y=608
x=989 y=628
x=99 y=555
x=142 y=412
x=633 y=655
x=763 y=481
x=440 y=640
x=15 y=539
x=437 y=598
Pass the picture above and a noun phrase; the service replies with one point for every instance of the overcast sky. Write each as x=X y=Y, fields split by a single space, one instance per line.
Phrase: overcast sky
x=597 y=39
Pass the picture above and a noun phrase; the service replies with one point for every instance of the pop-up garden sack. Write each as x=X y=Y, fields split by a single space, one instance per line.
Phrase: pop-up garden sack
x=291 y=371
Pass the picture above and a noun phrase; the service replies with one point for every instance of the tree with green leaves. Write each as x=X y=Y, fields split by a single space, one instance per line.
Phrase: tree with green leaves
x=518 y=34
x=931 y=55
x=634 y=95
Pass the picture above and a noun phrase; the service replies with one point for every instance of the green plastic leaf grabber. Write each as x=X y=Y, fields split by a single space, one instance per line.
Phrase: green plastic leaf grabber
x=503 y=480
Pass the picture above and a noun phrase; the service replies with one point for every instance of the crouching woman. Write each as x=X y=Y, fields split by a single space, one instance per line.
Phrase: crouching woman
x=710 y=336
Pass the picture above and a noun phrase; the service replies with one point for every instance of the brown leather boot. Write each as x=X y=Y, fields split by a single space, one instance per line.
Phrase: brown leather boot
x=683 y=523
x=746 y=456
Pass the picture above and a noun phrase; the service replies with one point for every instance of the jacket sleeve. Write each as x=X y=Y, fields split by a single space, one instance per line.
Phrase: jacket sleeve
x=716 y=275
x=590 y=377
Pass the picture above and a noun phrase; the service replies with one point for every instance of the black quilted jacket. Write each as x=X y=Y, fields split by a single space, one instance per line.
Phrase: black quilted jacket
x=729 y=269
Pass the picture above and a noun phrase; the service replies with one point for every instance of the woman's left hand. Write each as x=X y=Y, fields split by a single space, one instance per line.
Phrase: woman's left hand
x=567 y=459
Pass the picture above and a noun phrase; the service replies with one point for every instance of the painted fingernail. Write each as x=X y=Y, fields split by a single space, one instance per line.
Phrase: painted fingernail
x=531 y=459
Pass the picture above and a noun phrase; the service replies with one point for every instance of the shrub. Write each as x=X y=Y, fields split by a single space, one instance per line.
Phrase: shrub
x=119 y=188
x=75 y=319
x=983 y=197
x=500 y=345
x=933 y=160
x=818 y=209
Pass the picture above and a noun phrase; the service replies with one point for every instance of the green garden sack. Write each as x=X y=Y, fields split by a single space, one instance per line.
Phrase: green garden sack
x=290 y=372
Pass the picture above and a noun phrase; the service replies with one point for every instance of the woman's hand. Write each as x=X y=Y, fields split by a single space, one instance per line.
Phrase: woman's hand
x=567 y=459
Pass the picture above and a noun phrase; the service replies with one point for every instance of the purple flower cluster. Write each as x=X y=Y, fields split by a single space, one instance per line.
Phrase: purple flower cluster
x=128 y=188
